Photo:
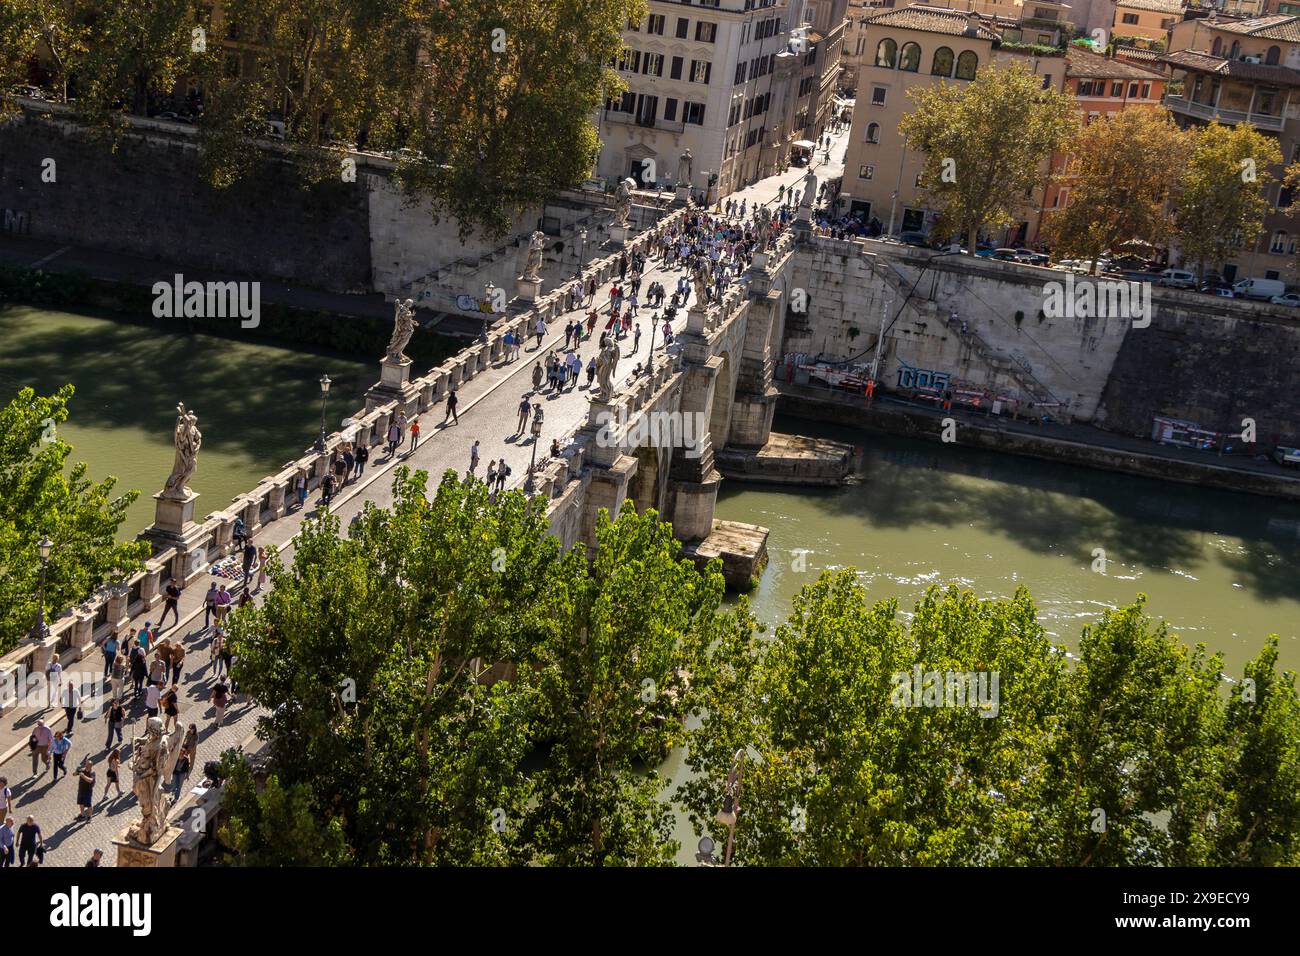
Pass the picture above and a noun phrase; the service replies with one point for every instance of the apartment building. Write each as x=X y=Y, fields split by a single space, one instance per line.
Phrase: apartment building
x=1245 y=71
x=733 y=81
x=1152 y=19
x=1101 y=86
x=909 y=48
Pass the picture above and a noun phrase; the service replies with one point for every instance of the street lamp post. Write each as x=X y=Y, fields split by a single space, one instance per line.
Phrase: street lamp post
x=530 y=485
x=582 y=259
x=43 y=547
x=731 y=803
x=650 y=359
x=324 y=395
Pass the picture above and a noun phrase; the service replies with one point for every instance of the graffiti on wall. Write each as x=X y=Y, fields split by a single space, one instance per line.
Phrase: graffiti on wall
x=911 y=377
x=17 y=222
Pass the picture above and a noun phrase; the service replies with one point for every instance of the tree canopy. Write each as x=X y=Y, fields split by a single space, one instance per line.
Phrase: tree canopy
x=42 y=496
x=1121 y=173
x=488 y=101
x=447 y=687
x=985 y=145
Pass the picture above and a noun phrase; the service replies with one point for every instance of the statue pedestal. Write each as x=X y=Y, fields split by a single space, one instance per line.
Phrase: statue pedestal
x=172 y=515
x=618 y=234
x=161 y=854
x=683 y=195
x=528 y=289
x=697 y=320
x=394 y=385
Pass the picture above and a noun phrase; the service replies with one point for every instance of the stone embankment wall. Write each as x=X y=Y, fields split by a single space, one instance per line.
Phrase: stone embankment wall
x=1211 y=361
x=147 y=198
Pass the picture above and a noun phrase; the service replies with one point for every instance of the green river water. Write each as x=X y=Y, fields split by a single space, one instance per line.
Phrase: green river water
x=258 y=404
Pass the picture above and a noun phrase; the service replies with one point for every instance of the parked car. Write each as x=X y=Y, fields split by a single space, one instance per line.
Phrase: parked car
x=1223 y=292
x=1177 y=279
x=914 y=239
x=1287 y=456
x=1032 y=258
x=1290 y=298
x=1004 y=255
x=1259 y=289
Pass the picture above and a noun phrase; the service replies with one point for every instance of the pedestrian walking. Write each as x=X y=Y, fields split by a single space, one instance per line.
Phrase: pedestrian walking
x=220 y=697
x=115 y=717
x=363 y=456
x=415 y=437
x=591 y=372
x=539 y=330
x=473 y=457
x=524 y=409
x=491 y=473
x=7 y=840
x=327 y=490
x=114 y=772
x=120 y=670
x=452 y=401
x=538 y=375
x=53 y=679
x=261 y=568
x=152 y=695
x=180 y=770
x=71 y=703
x=177 y=661
x=139 y=671
x=59 y=751
x=394 y=438
x=96 y=858
x=6 y=797
x=173 y=595
x=300 y=487
x=250 y=555
x=636 y=337
x=86 y=790
x=109 y=650
x=502 y=474
x=31 y=845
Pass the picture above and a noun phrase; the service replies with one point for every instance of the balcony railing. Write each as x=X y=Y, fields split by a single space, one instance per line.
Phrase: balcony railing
x=1181 y=104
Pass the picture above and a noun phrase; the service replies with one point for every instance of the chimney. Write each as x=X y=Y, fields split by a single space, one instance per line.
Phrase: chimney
x=972 y=23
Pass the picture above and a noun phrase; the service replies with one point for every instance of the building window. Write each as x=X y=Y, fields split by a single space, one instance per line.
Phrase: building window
x=1132 y=91
x=1130 y=18
x=873 y=133
x=700 y=71
x=1216 y=48
x=683 y=28
x=740 y=74
x=886 y=53
x=657 y=24
x=1234 y=50
x=866 y=172
x=706 y=32
x=675 y=71
x=910 y=58
x=966 y=65
x=1272 y=56
x=670 y=110
x=653 y=64
x=1167 y=23
x=877 y=96
x=1117 y=89
x=647 y=110
x=693 y=113
x=943 y=60
x=1278 y=245
x=1146 y=91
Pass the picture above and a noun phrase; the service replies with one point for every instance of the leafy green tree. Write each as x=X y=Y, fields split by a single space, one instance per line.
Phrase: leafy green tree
x=615 y=687
x=268 y=824
x=40 y=495
x=1222 y=194
x=1121 y=173
x=452 y=689
x=1128 y=755
x=985 y=145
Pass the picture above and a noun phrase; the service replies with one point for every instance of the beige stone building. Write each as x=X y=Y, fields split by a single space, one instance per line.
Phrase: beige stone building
x=734 y=81
x=917 y=46
x=1152 y=19
x=1245 y=71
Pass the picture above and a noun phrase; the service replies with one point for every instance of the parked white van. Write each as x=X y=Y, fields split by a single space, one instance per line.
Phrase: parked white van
x=1177 y=279
x=1263 y=289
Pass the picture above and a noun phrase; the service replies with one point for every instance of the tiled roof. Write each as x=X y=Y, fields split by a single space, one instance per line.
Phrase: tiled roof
x=1082 y=63
x=1151 y=59
x=1234 y=69
x=931 y=20
x=1154 y=6
x=1282 y=27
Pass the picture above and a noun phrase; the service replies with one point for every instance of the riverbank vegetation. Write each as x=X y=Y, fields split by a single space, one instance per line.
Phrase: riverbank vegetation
x=42 y=496
x=447 y=687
